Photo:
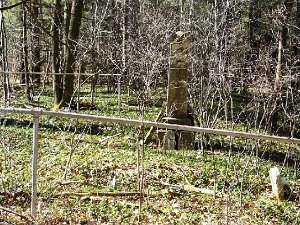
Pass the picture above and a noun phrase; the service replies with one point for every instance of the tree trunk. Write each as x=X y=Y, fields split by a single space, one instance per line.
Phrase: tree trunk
x=67 y=19
x=56 y=60
x=125 y=11
x=296 y=81
x=254 y=26
x=3 y=53
x=279 y=60
x=191 y=14
x=36 y=51
x=25 y=56
x=131 y=18
x=73 y=35
x=282 y=45
x=95 y=44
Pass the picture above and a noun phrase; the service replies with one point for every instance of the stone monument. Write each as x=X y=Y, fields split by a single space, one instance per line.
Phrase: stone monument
x=177 y=107
x=177 y=96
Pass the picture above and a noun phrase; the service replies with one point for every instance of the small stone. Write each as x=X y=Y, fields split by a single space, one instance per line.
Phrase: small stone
x=169 y=140
x=280 y=186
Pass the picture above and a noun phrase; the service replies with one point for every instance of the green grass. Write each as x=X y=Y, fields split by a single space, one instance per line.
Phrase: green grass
x=107 y=162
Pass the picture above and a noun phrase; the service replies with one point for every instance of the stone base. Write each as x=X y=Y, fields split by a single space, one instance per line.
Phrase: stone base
x=172 y=120
x=186 y=140
x=170 y=139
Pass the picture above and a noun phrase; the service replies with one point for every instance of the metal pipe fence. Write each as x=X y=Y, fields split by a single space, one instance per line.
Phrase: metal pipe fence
x=36 y=113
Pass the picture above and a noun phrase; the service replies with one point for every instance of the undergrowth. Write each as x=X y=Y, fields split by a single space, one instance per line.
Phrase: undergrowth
x=82 y=162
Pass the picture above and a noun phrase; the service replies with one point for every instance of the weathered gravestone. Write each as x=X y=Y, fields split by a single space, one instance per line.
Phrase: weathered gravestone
x=177 y=96
x=177 y=107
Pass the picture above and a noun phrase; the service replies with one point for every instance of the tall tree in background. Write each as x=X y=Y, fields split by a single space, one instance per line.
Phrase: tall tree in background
x=94 y=47
x=67 y=20
x=60 y=32
x=36 y=42
x=3 y=56
x=25 y=55
x=56 y=59
x=71 y=52
x=283 y=36
x=254 y=37
x=131 y=18
x=284 y=14
x=296 y=82
x=125 y=12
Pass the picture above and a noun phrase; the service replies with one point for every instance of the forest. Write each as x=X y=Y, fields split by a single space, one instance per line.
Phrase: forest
x=239 y=65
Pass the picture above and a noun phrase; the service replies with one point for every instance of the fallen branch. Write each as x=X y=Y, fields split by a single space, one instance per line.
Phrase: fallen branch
x=82 y=182
x=130 y=106
x=14 y=195
x=100 y=141
x=107 y=138
x=16 y=214
x=7 y=194
x=72 y=182
x=5 y=223
x=189 y=188
x=153 y=129
x=100 y=194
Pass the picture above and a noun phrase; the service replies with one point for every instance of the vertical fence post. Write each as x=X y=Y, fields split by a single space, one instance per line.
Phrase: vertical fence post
x=119 y=94
x=34 y=162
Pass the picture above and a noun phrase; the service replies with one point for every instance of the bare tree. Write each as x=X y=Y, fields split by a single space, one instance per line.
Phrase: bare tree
x=36 y=42
x=25 y=54
x=56 y=53
x=3 y=53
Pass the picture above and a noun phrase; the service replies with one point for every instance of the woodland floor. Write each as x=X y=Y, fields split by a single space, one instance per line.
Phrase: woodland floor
x=103 y=160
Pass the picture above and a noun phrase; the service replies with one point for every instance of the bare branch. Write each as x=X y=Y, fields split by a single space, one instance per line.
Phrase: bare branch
x=12 y=6
x=15 y=213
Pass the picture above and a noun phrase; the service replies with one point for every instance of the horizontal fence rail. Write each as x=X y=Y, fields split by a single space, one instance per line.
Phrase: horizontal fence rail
x=62 y=74
x=221 y=132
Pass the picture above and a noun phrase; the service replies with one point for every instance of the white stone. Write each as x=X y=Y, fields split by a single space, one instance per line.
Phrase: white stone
x=280 y=186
